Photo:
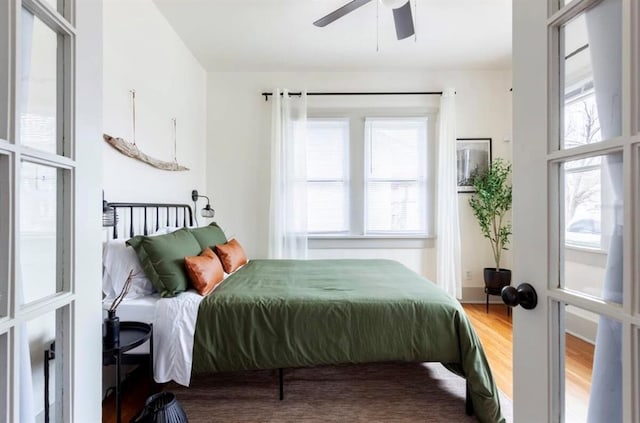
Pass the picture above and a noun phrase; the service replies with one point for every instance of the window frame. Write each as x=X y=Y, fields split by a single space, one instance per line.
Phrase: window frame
x=581 y=90
x=357 y=236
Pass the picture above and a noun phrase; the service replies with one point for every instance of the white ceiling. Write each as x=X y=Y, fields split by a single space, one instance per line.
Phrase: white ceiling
x=278 y=35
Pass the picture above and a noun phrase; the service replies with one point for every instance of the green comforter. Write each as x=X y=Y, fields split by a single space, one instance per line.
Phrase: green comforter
x=289 y=313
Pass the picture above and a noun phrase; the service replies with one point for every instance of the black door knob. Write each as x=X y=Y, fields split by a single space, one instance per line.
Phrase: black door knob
x=525 y=295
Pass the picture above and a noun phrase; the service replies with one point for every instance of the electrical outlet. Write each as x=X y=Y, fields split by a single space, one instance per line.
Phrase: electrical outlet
x=467 y=274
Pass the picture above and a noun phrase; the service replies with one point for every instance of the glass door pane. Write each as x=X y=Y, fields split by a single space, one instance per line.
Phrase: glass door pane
x=40 y=80
x=591 y=236
x=591 y=76
x=45 y=335
x=592 y=377
x=41 y=251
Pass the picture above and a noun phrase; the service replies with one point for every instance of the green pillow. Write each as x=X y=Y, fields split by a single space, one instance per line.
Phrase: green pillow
x=162 y=259
x=209 y=236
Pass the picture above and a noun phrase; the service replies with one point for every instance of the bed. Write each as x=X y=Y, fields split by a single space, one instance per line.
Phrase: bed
x=275 y=314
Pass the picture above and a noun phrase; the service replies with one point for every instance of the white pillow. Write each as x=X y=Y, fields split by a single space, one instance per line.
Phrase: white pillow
x=118 y=260
x=169 y=229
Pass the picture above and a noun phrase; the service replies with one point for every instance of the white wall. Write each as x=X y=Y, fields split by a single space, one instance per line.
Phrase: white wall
x=143 y=52
x=238 y=148
x=584 y=271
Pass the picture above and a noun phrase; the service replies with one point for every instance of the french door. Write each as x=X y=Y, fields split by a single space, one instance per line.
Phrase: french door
x=576 y=182
x=38 y=171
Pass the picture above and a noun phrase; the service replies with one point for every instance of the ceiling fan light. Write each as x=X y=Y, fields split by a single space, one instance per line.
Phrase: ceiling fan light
x=393 y=4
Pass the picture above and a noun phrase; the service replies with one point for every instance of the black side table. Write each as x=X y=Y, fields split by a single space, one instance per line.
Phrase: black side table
x=132 y=335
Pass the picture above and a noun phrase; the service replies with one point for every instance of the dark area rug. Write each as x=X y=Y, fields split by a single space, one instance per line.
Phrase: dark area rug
x=381 y=392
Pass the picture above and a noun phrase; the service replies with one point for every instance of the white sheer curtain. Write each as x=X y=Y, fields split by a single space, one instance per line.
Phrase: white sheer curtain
x=288 y=209
x=448 y=225
x=605 y=41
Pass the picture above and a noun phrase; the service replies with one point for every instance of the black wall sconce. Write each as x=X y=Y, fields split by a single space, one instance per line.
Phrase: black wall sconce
x=109 y=216
x=207 y=211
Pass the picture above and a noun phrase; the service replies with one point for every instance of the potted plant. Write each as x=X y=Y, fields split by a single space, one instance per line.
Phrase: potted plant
x=490 y=203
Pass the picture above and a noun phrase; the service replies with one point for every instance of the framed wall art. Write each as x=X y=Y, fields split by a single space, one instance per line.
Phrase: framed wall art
x=473 y=157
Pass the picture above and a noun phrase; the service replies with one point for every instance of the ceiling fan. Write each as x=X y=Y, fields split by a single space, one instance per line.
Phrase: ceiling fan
x=401 y=15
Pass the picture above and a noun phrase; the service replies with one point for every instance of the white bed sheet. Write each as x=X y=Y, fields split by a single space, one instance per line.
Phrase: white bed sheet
x=174 y=324
x=173 y=330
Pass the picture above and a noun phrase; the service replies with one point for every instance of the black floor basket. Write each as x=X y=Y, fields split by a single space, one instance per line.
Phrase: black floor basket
x=162 y=408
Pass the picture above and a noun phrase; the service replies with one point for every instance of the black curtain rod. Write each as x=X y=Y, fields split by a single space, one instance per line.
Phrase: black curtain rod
x=267 y=95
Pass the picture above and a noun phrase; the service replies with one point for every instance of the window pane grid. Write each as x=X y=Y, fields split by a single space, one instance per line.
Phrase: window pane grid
x=55 y=13
x=390 y=184
x=43 y=138
x=593 y=96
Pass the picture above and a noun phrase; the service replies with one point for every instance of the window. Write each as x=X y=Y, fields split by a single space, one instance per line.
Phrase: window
x=368 y=175
x=328 y=176
x=395 y=175
x=585 y=199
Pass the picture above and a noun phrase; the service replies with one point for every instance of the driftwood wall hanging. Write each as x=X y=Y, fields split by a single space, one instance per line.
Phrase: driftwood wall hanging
x=130 y=149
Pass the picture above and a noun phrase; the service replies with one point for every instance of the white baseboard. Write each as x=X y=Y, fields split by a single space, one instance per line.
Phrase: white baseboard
x=581 y=327
x=476 y=295
x=575 y=325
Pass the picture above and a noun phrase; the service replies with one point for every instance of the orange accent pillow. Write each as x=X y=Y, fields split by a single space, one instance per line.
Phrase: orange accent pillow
x=205 y=271
x=231 y=255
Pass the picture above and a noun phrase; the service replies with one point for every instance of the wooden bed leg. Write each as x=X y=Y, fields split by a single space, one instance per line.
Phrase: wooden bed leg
x=281 y=379
x=468 y=404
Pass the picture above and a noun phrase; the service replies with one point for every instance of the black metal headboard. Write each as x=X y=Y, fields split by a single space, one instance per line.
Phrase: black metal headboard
x=145 y=218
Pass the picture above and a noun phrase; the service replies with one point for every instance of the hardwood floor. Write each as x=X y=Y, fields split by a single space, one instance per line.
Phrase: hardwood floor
x=494 y=331
x=134 y=392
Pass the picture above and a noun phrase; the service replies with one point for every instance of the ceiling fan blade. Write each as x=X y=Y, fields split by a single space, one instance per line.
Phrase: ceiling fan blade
x=338 y=13
x=404 y=21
